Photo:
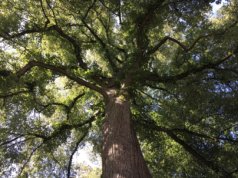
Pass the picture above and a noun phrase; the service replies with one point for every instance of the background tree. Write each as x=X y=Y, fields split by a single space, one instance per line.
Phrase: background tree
x=75 y=71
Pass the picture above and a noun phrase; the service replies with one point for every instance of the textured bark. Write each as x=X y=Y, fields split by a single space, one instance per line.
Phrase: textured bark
x=122 y=156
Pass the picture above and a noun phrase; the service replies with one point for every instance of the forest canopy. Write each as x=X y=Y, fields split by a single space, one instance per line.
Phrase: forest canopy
x=152 y=85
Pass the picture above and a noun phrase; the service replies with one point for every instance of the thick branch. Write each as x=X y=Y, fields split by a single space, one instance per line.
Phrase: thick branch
x=198 y=156
x=17 y=143
x=60 y=70
x=187 y=48
x=71 y=105
x=103 y=45
x=11 y=140
x=201 y=135
x=13 y=94
x=187 y=147
x=89 y=9
x=190 y=71
x=73 y=42
x=67 y=108
x=99 y=39
x=76 y=45
x=52 y=10
x=141 y=27
x=64 y=127
x=44 y=13
x=109 y=40
x=8 y=36
x=45 y=106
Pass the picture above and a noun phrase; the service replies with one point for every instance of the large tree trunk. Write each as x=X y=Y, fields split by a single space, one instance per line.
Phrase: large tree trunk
x=122 y=156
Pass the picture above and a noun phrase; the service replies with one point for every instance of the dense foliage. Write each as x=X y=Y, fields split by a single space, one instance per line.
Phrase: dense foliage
x=57 y=58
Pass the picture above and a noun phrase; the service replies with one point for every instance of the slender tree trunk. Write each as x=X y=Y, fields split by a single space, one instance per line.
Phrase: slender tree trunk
x=122 y=156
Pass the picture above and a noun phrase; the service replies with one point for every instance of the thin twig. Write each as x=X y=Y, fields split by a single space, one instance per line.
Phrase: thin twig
x=72 y=154
x=29 y=158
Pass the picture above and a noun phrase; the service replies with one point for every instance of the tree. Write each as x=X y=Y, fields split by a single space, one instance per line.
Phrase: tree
x=102 y=71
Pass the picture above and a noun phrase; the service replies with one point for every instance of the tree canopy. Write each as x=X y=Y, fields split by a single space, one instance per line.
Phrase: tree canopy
x=173 y=61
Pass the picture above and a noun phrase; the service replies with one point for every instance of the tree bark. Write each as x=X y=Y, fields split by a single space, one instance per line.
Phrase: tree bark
x=122 y=156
